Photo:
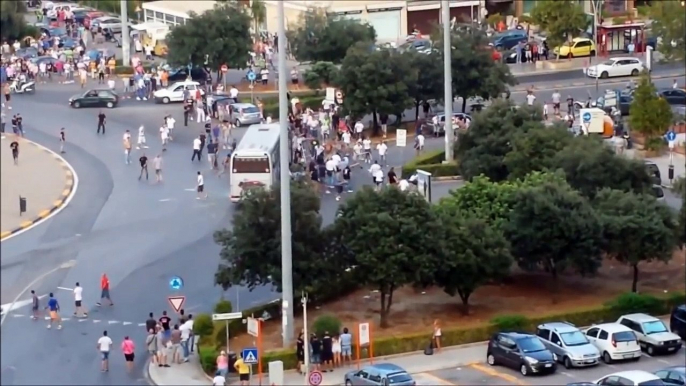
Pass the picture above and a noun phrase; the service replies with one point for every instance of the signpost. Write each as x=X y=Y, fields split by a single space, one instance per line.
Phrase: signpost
x=250 y=355
x=364 y=339
x=424 y=184
x=401 y=138
x=671 y=140
x=227 y=317
x=251 y=78
x=177 y=302
x=175 y=283
x=254 y=327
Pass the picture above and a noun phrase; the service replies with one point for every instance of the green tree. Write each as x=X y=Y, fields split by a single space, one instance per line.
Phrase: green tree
x=679 y=189
x=482 y=148
x=251 y=250
x=650 y=114
x=668 y=24
x=391 y=236
x=561 y=20
x=429 y=84
x=258 y=11
x=553 y=228
x=536 y=150
x=473 y=254
x=590 y=166
x=320 y=74
x=376 y=82
x=215 y=37
x=321 y=37
x=474 y=72
x=13 y=22
x=636 y=228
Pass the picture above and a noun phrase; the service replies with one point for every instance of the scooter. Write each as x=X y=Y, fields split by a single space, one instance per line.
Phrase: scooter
x=28 y=87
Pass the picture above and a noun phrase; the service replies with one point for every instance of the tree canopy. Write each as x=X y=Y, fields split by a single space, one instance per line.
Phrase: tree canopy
x=215 y=37
x=636 y=228
x=321 y=74
x=668 y=23
x=429 y=84
x=321 y=37
x=12 y=19
x=650 y=114
x=561 y=20
x=536 y=150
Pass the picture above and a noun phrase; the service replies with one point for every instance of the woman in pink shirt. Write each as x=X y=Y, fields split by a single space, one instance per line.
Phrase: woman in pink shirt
x=128 y=347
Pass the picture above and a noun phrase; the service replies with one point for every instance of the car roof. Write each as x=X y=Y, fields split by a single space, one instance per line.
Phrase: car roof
x=243 y=105
x=635 y=375
x=575 y=40
x=622 y=58
x=185 y=82
x=517 y=335
x=639 y=318
x=386 y=368
x=106 y=18
x=678 y=369
x=611 y=327
x=559 y=327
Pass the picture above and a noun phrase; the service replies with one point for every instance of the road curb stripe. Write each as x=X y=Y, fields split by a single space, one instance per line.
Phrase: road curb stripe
x=591 y=81
x=69 y=186
x=494 y=373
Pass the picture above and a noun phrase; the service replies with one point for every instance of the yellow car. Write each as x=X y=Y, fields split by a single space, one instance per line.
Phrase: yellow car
x=576 y=48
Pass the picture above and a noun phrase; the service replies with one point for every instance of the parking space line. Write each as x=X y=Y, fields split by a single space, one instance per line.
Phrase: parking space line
x=665 y=362
x=567 y=374
x=436 y=379
x=494 y=373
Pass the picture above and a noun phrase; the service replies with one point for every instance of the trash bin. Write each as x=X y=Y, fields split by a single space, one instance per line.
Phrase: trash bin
x=233 y=357
x=22 y=205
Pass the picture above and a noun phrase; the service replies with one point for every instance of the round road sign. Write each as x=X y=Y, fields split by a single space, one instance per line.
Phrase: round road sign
x=251 y=76
x=587 y=117
x=225 y=68
x=315 y=378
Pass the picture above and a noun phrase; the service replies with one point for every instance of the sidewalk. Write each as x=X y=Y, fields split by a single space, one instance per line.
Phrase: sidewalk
x=42 y=177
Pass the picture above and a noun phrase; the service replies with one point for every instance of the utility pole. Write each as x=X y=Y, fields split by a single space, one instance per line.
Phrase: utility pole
x=596 y=7
x=125 y=37
x=447 y=80
x=286 y=253
x=306 y=337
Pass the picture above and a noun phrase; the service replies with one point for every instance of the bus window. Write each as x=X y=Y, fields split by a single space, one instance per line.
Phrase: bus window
x=251 y=165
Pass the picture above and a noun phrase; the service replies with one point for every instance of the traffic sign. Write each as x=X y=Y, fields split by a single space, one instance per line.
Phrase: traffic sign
x=586 y=117
x=253 y=327
x=227 y=316
x=315 y=378
x=671 y=135
x=250 y=355
x=401 y=137
x=175 y=283
x=251 y=76
x=225 y=68
x=177 y=302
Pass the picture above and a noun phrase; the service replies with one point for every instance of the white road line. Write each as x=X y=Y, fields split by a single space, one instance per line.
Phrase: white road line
x=141 y=324
x=112 y=322
x=126 y=323
x=96 y=321
x=65 y=288
x=17 y=305
x=190 y=190
x=65 y=319
x=566 y=374
x=166 y=199
x=664 y=361
x=82 y=320
x=17 y=315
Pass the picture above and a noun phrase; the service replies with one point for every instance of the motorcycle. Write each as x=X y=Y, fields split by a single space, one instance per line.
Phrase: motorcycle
x=27 y=87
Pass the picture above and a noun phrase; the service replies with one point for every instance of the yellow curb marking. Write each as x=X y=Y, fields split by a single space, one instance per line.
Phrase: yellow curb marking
x=4 y=234
x=58 y=203
x=44 y=214
x=437 y=380
x=65 y=192
x=26 y=224
x=493 y=373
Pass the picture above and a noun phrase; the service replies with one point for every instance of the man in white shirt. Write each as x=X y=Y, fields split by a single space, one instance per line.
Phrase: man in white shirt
x=374 y=169
x=104 y=345
x=378 y=178
x=201 y=187
x=346 y=138
x=367 y=148
x=359 y=127
x=164 y=136
x=530 y=98
x=557 y=98
x=219 y=379
x=186 y=330
x=330 y=173
x=170 y=122
x=403 y=185
x=196 y=149
x=382 y=148
x=79 y=311
x=419 y=143
x=200 y=113
x=141 y=138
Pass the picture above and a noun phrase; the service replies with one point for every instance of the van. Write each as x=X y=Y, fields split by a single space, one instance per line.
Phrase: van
x=677 y=321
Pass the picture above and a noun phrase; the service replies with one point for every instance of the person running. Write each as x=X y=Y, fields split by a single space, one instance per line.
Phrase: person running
x=157 y=164
x=78 y=302
x=141 y=143
x=104 y=345
x=14 y=146
x=104 y=290
x=201 y=187
x=101 y=122
x=144 y=166
x=35 y=301
x=54 y=308
x=128 y=348
x=63 y=140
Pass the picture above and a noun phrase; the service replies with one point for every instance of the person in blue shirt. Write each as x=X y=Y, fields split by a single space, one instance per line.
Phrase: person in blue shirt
x=54 y=308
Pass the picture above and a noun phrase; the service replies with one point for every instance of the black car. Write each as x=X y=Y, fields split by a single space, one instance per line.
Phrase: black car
x=677 y=321
x=675 y=375
x=508 y=39
x=521 y=351
x=95 y=98
x=674 y=96
x=180 y=74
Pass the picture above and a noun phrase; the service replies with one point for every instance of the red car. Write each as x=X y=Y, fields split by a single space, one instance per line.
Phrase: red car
x=91 y=16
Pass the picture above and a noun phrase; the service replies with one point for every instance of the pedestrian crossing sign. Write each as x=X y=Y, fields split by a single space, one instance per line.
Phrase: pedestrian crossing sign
x=250 y=356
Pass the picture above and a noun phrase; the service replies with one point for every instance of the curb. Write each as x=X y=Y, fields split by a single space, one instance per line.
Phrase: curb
x=591 y=81
x=447 y=178
x=60 y=202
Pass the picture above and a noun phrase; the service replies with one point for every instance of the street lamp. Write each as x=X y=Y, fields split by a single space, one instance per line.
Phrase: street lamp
x=447 y=80
x=125 y=38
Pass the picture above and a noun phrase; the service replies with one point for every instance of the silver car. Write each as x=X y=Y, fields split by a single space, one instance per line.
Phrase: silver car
x=570 y=345
x=108 y=22
x=245 y=114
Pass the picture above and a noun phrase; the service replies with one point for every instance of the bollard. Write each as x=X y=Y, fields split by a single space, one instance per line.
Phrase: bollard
x=22 y=205
x=670 y=173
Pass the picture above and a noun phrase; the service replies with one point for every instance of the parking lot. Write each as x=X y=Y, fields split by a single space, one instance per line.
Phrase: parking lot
x=483 y=374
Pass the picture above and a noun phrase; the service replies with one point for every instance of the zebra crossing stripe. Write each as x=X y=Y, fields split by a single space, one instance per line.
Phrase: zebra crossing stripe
x=82 y=320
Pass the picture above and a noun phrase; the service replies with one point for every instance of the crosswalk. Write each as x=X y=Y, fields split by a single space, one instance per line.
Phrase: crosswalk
x=86 y=320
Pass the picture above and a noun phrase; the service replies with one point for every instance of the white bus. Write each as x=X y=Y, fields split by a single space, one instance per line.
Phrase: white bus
x=255 y=161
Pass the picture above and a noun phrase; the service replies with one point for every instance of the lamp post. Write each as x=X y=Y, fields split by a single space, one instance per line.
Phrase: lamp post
x=447 y=80
x=125 y=38
x=286 y=253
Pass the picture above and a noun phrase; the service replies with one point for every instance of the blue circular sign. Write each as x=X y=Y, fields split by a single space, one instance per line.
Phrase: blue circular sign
x=587 y=117
x=251 y=76
x=671 y=136
x=175 y=283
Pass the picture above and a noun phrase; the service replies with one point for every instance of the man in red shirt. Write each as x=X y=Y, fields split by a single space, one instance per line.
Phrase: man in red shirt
x=105 y=290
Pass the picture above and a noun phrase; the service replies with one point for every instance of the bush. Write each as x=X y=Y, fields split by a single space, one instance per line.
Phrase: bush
x=326 y=323
x=223 y=307
x=431 y=162
x=203 y=325
x=511 y=322
x=632 y=302
x=128 y=70
x=208 y=359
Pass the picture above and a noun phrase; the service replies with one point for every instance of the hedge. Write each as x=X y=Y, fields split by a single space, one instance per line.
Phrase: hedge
x=431 y=162
x=452 y=337
x=271 y=106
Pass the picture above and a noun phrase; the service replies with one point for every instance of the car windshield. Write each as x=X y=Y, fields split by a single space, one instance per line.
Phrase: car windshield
x=528 y=345
x=608 y=62
x=575 y=338
x=250 y=110
x=399 y=378
x=654 y=327
x=624 y=336
x=654 y=382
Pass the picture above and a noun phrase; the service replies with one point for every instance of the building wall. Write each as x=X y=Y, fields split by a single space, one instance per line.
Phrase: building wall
x=611 y=7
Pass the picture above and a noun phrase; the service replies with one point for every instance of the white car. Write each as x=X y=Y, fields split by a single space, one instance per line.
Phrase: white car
x=112 y=23
x=174 y=93
x=631 y=377
x=612 y=67
x=614 y=341
x=653 y=335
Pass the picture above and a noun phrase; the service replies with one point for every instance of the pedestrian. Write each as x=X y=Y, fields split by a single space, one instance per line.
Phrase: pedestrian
x=530 y=98
x=225 y=165
x=165 y=322
x=346 y=178
x=675 y=85
x=151 y=343
x=151 y=322
x=316 y=352
x=212 y=148
x=14 y=146
x=187 y=337
x=144 y=166
x=392 y=177
x=127 y=147
x=169 y=121
x=219 y=379
x=63 y=140
x=104 y=290
x=201 y=187
x=223 y=363
x=141 y=138
x=20 y=125
x=79 y=311
x=161 y=348
x=437 y=335
x=382 y=148
x=243 y=370
x=199 y=113
x=128 y=348
x=175 y=338
x=336 y=350
x=346 y=346
x=327 y=352
x=54 y=308
x=102 y=119
x=34 y=305
x=367 y=149
x=188 y=105
x=556 y=102
x=157 y=164
x=197 y=145
x=6 y=90
x=104 y=345
x=300 y=353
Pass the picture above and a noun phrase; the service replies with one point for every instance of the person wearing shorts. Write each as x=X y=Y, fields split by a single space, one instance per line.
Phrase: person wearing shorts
x=54 y=307
x=243 y=371
x=104 y=290
x=128 y=348
x=104 y=345
x=346 y=346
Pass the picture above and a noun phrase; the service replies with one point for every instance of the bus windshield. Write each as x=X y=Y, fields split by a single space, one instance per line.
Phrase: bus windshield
x=251 y=165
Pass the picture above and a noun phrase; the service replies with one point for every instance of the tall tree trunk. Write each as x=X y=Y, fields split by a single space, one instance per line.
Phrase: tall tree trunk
x=634 y=283
x=375 y=125
x=553 y=271
x=383 y=322
x=464 y=104
x=464 y=296
x=416 y=111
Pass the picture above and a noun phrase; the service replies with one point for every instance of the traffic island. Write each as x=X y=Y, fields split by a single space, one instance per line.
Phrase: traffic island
x=38 y=186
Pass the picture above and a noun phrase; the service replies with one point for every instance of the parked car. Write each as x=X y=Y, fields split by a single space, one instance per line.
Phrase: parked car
x=631 y=378
x=576 y=48
x=437 y=124
x=507 y=39
x=569 y=344
x=675 y=375
x=382 y=374
x=245 y=114
x=524 y=352
x=175 y=92
x=416 y=44
x=614 y=342
x=677 y=321
x=95 y=98
x=652 y=333
x=181 y=74
x=90 y=16
x=675 y=96
x=112 y=23
x=613 y=67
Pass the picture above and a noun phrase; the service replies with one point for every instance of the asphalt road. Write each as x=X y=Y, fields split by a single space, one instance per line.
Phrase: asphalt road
x=483 y=374
x=569 y=75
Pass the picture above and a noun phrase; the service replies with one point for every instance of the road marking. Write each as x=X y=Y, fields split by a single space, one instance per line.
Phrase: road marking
x=96 y=321
x=23 y=303
x=126 y=323
x=17 y=315
x=82 y=320
x=65 y=288
x=566 y=374
x=166 y=199
x=112 y=322
x=493 y=373
x=65 y=319
x=664 y=361
x=141 y=324
x=190 y=190
x=433 y=380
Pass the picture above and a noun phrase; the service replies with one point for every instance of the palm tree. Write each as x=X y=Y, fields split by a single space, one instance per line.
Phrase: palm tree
x=259 y=14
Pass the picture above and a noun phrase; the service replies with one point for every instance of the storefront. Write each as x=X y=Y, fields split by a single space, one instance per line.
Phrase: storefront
x=426 y=15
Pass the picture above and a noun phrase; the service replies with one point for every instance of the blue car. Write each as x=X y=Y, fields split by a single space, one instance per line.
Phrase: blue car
x=68 y=43
x=97 y=54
